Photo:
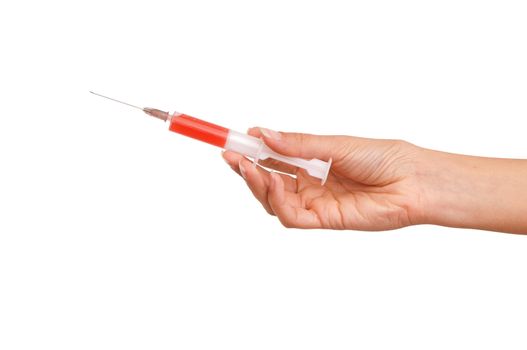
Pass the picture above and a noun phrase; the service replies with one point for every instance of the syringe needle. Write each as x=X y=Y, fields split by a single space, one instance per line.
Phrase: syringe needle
x=113 y=99
x=150 y=111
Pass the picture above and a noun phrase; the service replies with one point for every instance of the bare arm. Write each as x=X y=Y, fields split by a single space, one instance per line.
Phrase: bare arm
x=473 y=192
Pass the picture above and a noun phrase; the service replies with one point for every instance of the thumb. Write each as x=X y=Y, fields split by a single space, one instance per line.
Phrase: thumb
x=305 y=146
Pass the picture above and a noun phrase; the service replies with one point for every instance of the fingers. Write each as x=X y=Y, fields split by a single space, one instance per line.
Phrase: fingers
x=257 y=179
x=276 y=193
x=269 y=162
x=303 y=145
x=287 y=208
x=257 y=182
x=233 y=159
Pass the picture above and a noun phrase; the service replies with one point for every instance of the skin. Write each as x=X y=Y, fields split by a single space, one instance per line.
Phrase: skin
x=378 y=185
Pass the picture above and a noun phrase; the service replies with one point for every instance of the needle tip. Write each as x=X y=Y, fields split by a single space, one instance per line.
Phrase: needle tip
x=113 y=99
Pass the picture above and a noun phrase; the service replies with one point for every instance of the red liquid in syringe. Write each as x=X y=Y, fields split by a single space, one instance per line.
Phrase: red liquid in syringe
x=199 y=129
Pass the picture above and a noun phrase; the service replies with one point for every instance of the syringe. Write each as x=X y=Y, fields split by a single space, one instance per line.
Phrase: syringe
x=231 y=140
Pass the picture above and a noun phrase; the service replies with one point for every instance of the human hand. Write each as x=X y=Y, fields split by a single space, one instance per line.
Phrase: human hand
x=371 y=185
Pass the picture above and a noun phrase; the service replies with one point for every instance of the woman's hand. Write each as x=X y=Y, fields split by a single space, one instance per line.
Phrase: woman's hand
x=372 y=184
x=386 y=184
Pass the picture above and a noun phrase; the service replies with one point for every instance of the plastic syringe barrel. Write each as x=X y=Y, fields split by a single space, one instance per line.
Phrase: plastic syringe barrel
x=247 y=145
x=199 y=129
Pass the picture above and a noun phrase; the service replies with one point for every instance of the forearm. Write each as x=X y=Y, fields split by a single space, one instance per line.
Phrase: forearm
x=473 y=192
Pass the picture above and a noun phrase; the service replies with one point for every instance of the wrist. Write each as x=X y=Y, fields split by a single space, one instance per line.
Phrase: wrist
x=472 y=192
x=450 y=189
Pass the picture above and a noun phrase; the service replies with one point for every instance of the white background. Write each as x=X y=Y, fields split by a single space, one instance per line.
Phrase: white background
x=116 y=234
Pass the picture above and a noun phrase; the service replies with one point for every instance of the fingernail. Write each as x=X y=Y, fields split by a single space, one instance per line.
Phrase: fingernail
x=275 y=135
x=242 y=169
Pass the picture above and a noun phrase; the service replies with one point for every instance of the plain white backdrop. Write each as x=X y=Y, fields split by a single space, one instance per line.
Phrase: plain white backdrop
x=117 y=234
